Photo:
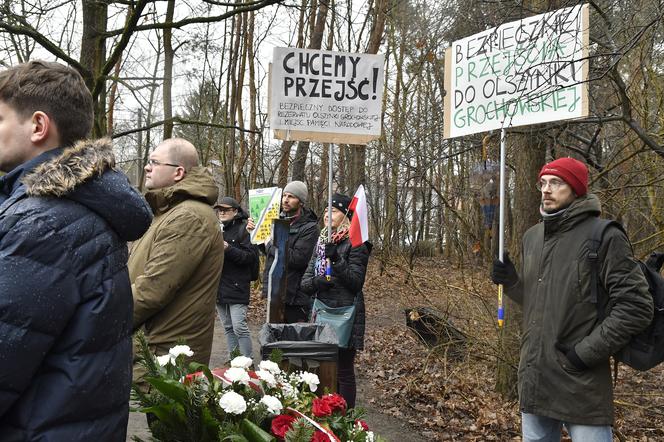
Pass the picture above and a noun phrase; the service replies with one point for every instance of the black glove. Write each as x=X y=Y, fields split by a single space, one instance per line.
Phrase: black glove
x=322 y=284
x=504 y=272
x=571 y=356
x=331 y=252
x=655 y=261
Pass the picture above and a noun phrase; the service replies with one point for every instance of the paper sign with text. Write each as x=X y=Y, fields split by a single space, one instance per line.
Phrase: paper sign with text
x=524 y=72
x=326 y=92
x=264 y=206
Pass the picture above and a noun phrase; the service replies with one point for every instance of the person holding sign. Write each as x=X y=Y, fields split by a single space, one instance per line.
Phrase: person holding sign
x=240 y=260
x=343 y=287
x=564 y=370
x=301 y=242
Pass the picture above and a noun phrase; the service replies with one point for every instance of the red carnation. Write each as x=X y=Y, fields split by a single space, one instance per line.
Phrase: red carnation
x=321 y=408
x=319 y=436
x=281 y=424
x=364 y=425
x=336 y=402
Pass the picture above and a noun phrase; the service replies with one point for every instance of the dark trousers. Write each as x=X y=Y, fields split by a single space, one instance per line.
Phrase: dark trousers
x=346 y=375
x=296 y=313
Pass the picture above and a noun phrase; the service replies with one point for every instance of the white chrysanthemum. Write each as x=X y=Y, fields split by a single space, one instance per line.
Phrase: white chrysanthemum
x=163 y=360
x=267 y=377
x=180 y=350
x=288 y=391
x=232 y=403
x=237 y=374
x=270 y=366
x=370 y=436
x=310 y=379
x=273 y=404
x=242 y=362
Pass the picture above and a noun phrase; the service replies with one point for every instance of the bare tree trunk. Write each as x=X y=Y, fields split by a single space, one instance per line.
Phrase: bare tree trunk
x=253 y=97
x=317 y=30
x=359 y=152
x=243 y=154
x=113 y=96
x=93 y=57
x=169 y=54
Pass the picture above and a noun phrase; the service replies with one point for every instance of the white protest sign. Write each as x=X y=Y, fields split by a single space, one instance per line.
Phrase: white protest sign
x=321 y=95
x=524 y=72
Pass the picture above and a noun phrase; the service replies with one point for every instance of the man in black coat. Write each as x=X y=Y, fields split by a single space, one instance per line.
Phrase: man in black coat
x=240 y=260
x=302 y=238
x=65 y=296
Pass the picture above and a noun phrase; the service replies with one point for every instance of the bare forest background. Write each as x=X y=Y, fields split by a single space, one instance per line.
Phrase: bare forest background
x=198 y=69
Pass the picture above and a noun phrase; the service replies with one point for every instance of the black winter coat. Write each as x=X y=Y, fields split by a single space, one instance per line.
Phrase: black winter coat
x=301 y=242
x=239 y=259
x=65 y=296
x=348 y=274
x=559 y=315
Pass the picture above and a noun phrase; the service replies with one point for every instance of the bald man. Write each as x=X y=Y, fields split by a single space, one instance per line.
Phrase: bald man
x=175 y=267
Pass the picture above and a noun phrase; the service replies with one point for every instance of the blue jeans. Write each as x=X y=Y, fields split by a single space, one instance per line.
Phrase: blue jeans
x=234 y=319
x=545 y=429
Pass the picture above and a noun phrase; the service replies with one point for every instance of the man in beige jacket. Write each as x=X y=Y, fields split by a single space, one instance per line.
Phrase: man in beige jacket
x=175 y=267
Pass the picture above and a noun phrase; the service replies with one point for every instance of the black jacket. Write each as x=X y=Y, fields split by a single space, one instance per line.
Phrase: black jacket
x=348 y=274
x=301 y=241
x=65 y=296
x=239 y=259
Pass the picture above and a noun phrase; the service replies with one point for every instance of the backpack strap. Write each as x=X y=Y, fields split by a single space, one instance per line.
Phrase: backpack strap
x=600 y=226
x=597 y=232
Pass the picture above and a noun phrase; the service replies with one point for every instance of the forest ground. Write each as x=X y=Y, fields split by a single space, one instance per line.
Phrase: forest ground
x=413 y=392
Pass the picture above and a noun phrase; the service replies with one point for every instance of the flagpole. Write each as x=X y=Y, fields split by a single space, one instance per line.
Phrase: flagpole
x=330 y=164
x=501 y=223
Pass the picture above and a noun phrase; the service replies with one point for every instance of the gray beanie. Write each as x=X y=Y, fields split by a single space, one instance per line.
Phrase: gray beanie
x=299 y=189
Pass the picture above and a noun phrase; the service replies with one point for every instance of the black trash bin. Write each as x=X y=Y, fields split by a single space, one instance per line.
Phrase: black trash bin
x=305 y=346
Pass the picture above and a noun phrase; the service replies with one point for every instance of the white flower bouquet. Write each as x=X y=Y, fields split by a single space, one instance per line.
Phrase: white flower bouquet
x=190 y=402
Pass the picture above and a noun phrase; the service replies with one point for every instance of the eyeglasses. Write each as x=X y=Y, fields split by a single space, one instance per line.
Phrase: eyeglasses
x=225 y=209
x=152 y=162
x=554 y=185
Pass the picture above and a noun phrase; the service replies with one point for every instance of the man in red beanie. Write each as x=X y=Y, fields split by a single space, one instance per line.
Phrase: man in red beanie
x=564 y=371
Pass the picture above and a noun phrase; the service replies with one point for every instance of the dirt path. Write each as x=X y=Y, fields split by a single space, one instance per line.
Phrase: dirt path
x=387 y=426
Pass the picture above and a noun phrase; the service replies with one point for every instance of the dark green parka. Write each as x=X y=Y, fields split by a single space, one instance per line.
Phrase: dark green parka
x=554 y=290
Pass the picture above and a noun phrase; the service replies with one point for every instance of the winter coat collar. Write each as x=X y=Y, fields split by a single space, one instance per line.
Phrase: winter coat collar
x=196 y=185
x=61 y=174
x=10 y=182
x=84 y=173
x=580 y=209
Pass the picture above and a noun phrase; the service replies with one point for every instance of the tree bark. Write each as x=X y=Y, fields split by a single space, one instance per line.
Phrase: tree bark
x=169 y=55
x=93 y=58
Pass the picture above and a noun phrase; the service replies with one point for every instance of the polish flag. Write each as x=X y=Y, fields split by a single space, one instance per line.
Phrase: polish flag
x=359 y=225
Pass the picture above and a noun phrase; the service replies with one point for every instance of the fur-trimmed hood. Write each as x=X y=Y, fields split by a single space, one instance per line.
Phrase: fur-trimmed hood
x=85 y=173
x=59 y=176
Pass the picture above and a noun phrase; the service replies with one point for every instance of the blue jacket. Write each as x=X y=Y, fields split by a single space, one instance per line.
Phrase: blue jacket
x=65 y=296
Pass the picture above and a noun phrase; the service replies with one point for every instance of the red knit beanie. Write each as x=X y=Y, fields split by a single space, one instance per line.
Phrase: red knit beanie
x=572 y=171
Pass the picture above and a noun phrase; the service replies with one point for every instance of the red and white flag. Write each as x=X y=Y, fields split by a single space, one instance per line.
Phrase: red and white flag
x=359 y=225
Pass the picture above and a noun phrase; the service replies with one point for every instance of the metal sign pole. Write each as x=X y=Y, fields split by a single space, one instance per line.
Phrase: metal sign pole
x=501 y=224
x=330 y=161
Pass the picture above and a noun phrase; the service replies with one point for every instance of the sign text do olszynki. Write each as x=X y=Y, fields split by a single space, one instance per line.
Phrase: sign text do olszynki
x=524 y=72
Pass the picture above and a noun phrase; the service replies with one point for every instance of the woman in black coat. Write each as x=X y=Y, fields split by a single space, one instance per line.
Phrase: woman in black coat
x=349 y=267
x=240 y=261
